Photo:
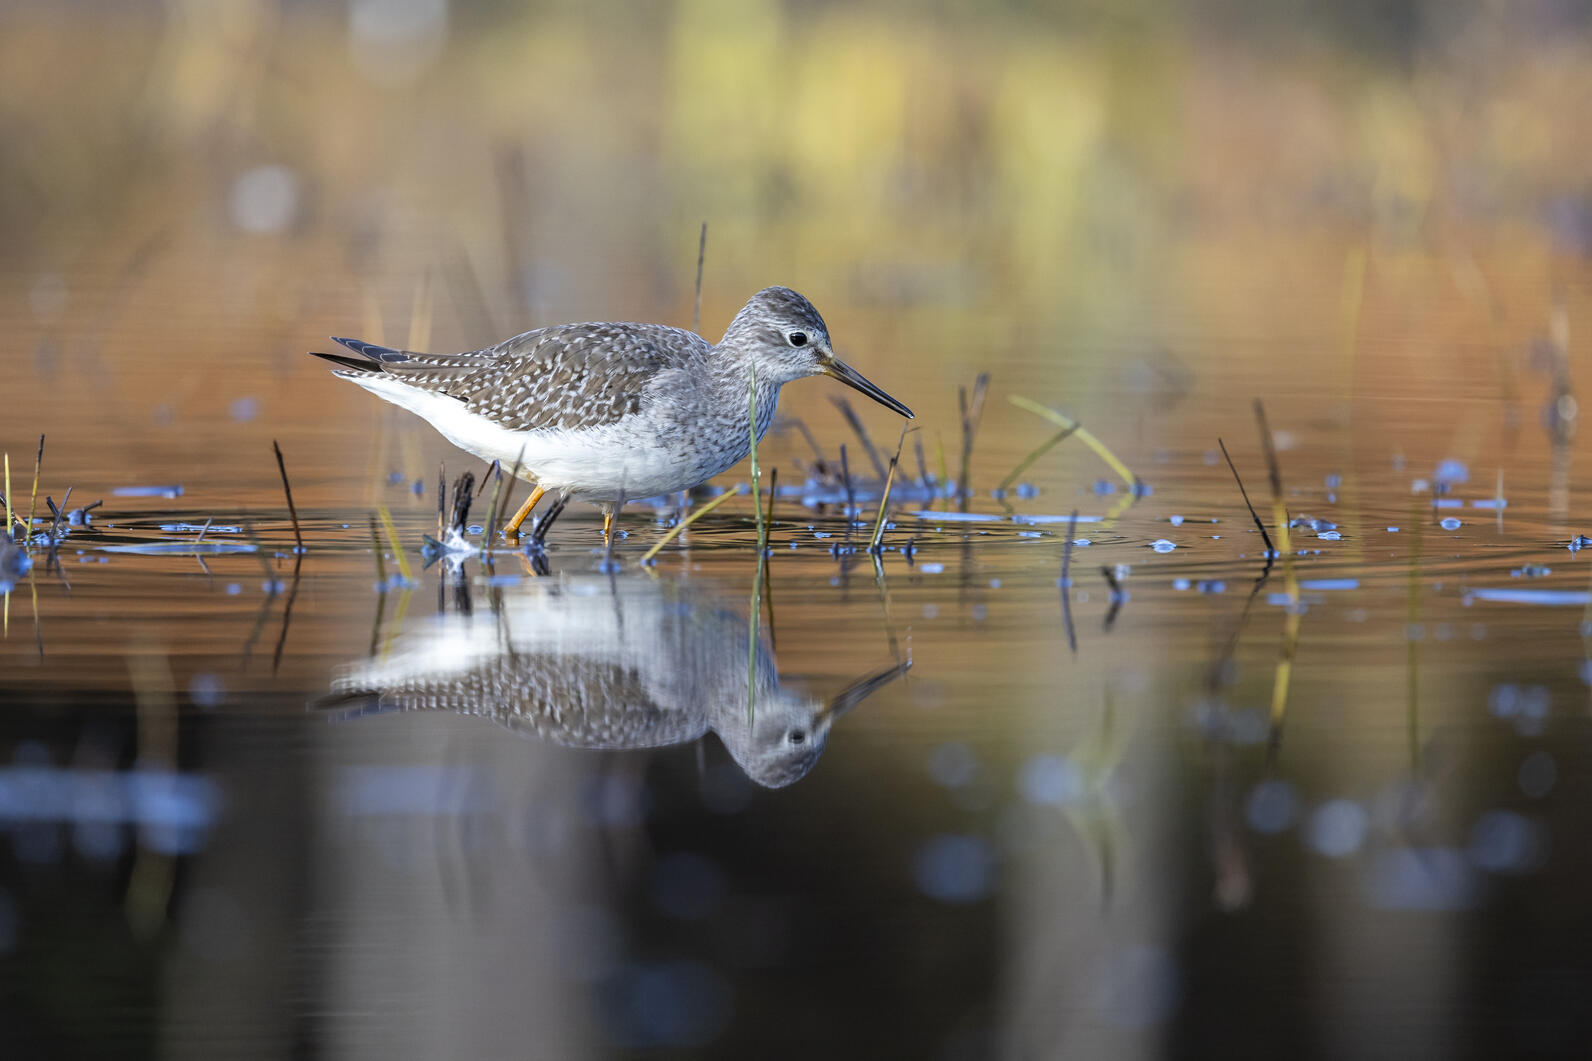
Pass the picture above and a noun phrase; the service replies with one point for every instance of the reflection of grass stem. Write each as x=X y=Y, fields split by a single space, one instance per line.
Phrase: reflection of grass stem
x=9 y=515
x=1085 y=436
x=1066 y=582
x=751 y=636
x=375 y=545
x=884 y=498
x=683 y=524
x=757 y=474
x=292 y=511
x=1290 y=638
x=397 y=547
x=1039 y=451
x=1413 y=648
x=38 y=630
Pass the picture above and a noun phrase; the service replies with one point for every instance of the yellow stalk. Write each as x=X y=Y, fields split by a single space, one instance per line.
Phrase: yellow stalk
x=683 y=524
x=1084 y=435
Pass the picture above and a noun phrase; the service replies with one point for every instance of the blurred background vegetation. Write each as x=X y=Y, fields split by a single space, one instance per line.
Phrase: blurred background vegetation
x=192 y=192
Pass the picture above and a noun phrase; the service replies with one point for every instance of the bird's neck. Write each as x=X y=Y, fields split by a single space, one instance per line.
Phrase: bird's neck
x=736 y=385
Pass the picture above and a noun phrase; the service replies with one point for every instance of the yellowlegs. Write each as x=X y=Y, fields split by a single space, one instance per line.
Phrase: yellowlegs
x=606 y=412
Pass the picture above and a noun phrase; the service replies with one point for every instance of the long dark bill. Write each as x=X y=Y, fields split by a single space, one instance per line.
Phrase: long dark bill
x=852 y=378
x=862 y=688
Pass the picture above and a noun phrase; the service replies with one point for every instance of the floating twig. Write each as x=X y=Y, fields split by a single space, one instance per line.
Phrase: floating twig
x=674 y=531
x=288 y=490
x=1087 y=437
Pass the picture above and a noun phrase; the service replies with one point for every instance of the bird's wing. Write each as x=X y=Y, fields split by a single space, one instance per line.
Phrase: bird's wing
x=559 y=697
x=573 y=376
x=569 y=376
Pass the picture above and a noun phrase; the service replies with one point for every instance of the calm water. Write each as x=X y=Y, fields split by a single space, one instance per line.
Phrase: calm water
x=560 y=833
x=1150 y=796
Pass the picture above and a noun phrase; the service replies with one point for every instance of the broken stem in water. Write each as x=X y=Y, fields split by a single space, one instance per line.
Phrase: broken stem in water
x=1085 y=436
x=675 y=530
x=1043 y=448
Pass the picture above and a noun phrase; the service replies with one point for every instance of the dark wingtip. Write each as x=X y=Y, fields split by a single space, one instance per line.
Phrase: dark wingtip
x=371 y=350
x=351 y=363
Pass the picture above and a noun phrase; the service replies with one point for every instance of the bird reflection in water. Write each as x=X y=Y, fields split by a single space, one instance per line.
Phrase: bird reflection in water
x=610 y=664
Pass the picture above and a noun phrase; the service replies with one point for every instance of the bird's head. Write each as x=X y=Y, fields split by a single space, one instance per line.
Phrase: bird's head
x=782 y=740
x=777 y=739
x=784 y=339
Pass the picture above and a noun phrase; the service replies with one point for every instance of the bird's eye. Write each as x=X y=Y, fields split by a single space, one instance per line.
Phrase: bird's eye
x=797 y=338
x=797 y=736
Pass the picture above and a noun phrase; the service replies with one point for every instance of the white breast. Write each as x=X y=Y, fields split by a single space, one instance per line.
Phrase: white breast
x=641 y=456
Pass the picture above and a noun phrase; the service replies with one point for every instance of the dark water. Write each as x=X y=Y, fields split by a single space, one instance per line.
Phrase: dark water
x=556 y=835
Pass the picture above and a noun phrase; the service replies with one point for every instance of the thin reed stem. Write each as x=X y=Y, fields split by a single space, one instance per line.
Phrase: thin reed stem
x=287 y=489
x=397 y=548
x=675 y=530
x=1085 y=436
x=884 y=498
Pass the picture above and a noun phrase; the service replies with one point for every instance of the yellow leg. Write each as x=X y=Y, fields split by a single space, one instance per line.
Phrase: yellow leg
x=608 y=526
x=525 y=510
